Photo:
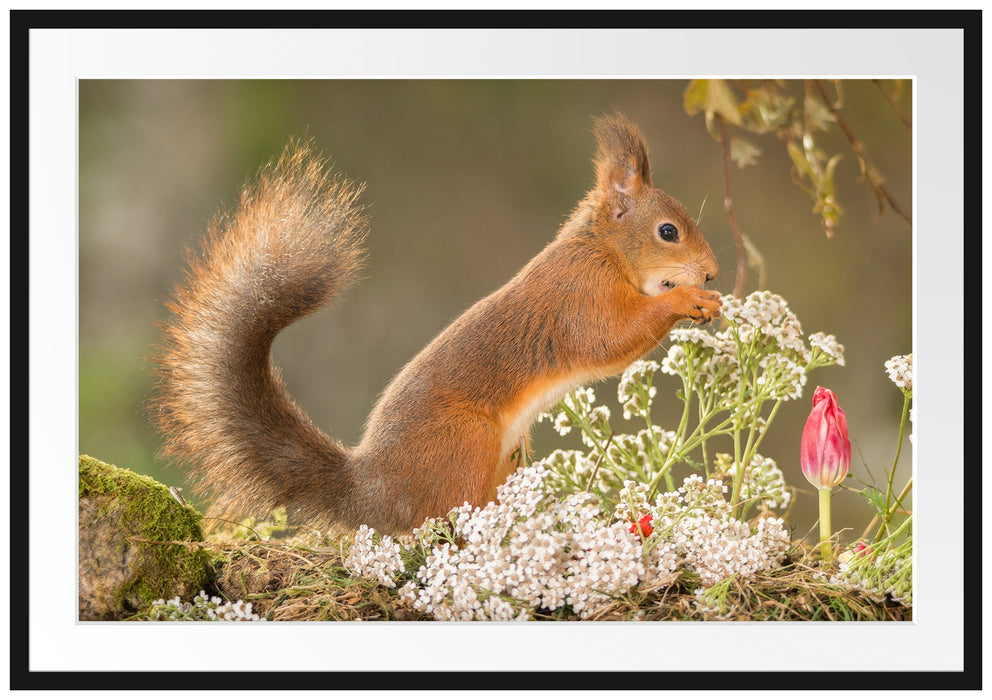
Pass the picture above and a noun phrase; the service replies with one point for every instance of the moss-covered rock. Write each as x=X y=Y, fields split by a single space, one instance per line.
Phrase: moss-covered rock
x=137 y=543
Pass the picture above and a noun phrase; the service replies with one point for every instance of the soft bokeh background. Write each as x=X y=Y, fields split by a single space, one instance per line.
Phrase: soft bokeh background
x=467 y=179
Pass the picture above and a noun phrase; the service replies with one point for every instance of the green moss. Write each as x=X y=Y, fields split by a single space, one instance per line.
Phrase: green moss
x=145 y=500
x=147 y=529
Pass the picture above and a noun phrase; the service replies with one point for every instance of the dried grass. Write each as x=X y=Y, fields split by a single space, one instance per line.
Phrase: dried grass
x=298 y=580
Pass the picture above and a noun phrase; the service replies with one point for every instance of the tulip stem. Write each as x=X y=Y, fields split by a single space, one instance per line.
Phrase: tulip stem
x=895 y=462
x=826 y=548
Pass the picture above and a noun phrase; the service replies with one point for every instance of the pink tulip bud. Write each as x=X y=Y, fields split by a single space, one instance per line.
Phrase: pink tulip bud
x=825 y=453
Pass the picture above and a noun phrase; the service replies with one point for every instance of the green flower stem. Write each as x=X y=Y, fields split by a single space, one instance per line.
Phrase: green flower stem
x=705 y=412
x=868 y=565
x=905 y=523
x=768 y=422
x=749 y=450
x=826 y=548
x=705 y=456
x=627 y=457
x=890 y=507
x=741 y=355
x=902 y=431
x=698 y=437
x=735 y=496
x=687 y=382
x=660 y=457
x=889 y=513
x=586 y=427
x=902 y=494
x=643 y=390
x=752 y=448
x=680 y=449
x=686 y=403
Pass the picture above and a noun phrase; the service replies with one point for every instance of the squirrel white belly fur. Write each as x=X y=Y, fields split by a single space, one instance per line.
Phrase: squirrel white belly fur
x=627 y=265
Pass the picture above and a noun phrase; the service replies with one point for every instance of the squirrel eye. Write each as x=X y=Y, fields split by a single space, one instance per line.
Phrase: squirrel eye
x=668 y=232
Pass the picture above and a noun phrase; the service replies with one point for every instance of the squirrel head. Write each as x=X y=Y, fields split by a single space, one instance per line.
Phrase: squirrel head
x=657 y=241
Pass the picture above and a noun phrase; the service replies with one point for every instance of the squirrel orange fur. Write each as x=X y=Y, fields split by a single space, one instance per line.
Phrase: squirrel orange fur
x=627 y=265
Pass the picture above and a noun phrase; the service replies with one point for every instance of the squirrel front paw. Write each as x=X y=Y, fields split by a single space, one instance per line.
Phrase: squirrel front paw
x=699 y=305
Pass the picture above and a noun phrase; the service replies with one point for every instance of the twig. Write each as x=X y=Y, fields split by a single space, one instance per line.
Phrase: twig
x=728 y=210
x=859 y=150
x=895 y=107
x=599 y=461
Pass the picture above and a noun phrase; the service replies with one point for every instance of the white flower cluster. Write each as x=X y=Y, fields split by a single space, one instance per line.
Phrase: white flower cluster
x=202 y=607
x=828 y=345
x=632 y=502
x=877 y=574
x=718 y=547
x=637 y=456
x=612 y=457
x=533 y=550
x=635 y=390
x=570 y=471
x=713 y=601
x=606 y=561
x=526 y=552
x=628 y=457
x=706 y=359
x=694 y=497
x=379 y=560
x=900 y=371
x=763 y=480
x=661 y=556
x=782 y=378
x=764 y=336
x=765 y=318
x=692 y=527
x=580 y=402
x=696 y=527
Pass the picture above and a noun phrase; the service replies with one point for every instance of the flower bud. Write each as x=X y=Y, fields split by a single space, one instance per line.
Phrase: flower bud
x=858 y=549
x=825 y=452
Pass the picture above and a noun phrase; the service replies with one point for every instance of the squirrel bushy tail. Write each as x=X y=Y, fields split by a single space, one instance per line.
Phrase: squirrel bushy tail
x=293 y=244
x=623 y=270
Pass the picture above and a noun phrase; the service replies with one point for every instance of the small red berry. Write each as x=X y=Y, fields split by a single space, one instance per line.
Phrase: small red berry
x=862 y=549
x=645 y=526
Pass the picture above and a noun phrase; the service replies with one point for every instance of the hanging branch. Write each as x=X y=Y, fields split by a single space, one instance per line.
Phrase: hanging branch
x=892 y=102
x=728 y=210
x=881 y=191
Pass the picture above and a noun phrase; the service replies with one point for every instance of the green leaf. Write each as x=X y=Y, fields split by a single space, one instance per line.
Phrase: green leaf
x=743 y=152
x=799 y=159
x=875 y=497
x=875 y=182
x=713 y=98
x=694 y=97
x=827 y=206
x=828 y=175
x=768 y=110
x=817 y=113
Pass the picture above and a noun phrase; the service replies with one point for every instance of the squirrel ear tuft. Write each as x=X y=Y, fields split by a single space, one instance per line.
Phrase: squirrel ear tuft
x=622 y=158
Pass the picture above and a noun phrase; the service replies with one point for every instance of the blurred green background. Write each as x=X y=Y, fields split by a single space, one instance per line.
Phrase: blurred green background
x=467 y=179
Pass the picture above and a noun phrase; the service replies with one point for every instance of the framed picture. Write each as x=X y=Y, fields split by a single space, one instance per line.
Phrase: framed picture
x=474 y=145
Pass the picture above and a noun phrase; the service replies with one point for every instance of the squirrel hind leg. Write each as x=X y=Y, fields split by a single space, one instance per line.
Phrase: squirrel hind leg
x=507 y=466
x=403 y=485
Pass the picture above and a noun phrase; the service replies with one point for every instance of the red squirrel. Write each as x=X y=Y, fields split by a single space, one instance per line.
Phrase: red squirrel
x=626 y=266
